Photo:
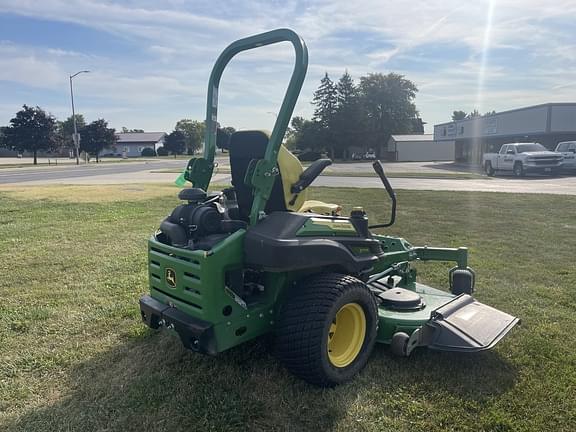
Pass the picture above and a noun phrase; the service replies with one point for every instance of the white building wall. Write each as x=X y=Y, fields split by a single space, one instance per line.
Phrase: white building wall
x=422 y=151
x=563 y=118
x=517 y=122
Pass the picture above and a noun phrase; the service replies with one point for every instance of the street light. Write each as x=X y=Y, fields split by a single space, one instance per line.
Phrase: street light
x=76 y=140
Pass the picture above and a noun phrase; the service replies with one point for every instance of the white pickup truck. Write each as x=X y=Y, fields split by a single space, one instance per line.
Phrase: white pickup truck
x=522 y=158
x=568 y=150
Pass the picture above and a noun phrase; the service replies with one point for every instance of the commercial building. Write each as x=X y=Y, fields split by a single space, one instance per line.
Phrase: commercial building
x=417 y=148
x=547 y=124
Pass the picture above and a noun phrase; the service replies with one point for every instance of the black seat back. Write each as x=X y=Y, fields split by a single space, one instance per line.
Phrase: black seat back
x=244 y=147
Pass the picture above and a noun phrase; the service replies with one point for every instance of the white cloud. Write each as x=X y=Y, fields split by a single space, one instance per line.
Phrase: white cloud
x=183 y=38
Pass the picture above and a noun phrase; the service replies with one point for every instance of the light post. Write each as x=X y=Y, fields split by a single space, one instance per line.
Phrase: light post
x=75 y=138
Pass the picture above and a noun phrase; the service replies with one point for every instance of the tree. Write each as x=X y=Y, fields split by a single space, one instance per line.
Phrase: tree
x=193 y=131
x=126 y=130
x=96 y=137
x=388 y=104
x=304 y=134
x=3 y=142
x=348 y=116
x=417 y=126
x=66 y=131
x=175 y=142
x=458 y=115
x=31 y=130
x=474 y=114
x=325 y=101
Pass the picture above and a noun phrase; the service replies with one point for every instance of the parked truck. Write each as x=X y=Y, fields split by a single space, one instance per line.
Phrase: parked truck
x=522 y=158
x=568 y=151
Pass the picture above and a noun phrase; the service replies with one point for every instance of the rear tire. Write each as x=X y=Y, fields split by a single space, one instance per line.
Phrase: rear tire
x=489 y=170
x=518 y=169
x=327 y=329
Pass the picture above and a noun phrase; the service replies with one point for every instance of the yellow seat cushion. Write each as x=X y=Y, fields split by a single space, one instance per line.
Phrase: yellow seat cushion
x=320 y=207
x=290 y=170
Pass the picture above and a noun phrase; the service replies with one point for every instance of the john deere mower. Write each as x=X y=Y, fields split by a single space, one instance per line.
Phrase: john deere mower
x=258 y=258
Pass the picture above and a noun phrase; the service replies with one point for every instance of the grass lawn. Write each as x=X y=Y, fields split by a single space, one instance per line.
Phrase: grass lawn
x=337 y=173
x=75 y=357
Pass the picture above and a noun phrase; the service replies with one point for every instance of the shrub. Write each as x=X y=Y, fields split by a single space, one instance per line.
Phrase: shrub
x=162 y=151
x=148 y=151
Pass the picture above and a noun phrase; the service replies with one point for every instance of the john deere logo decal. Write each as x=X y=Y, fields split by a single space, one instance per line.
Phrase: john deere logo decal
x=170 y=277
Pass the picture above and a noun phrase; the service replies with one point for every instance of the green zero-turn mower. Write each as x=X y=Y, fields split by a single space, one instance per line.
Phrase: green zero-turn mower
x=258 y=258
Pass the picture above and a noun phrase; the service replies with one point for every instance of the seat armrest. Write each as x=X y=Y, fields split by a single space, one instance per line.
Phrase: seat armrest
x=309 y=175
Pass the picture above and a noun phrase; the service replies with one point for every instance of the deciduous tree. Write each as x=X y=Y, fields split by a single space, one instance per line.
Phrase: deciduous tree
x=96 y=137
x=175 y=142
x=388 y=103
x=193 y=131
x=31 y=130
x=458 y=115
x=66 y=131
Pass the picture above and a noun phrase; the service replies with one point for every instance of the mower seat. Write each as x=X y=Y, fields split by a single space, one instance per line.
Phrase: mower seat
x=289 y=190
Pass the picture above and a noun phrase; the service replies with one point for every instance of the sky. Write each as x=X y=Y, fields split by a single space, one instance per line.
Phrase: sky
x=149 y=61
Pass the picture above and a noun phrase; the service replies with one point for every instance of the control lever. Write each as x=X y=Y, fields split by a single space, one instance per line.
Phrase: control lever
x=377 y=165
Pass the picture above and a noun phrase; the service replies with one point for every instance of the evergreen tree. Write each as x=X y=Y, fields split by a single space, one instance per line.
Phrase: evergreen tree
x=348 y=116
x=326 y=104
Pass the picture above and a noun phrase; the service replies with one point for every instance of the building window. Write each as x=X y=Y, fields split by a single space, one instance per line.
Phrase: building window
x=444 y=132
x=461 y=130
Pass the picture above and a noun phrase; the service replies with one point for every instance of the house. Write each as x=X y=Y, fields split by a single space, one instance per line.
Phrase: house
x=416 y=148
x=131 y=144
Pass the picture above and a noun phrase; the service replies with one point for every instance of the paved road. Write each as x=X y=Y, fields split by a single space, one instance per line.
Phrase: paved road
x=72 y=173
x=138 y=172
x=544 y=185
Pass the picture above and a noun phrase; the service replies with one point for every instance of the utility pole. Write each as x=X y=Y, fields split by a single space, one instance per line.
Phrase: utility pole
x=76 y=138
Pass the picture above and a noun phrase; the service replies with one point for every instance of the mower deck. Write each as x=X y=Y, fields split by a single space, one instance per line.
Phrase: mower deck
x=443 y=322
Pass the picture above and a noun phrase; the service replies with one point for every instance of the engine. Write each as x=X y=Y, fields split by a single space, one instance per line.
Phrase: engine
x=203 y=221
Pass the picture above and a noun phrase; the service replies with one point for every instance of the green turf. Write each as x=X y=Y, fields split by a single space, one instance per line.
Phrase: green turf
x=74 y=356
x=336 y=173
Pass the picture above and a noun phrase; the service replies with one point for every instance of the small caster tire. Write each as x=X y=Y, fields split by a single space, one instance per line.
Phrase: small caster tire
x=399 y=344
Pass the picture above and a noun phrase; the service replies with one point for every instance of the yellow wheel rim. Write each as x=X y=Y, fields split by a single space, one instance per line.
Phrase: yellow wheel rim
x=346 y=335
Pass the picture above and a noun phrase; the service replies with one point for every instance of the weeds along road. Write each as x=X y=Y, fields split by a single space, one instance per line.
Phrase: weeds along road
x=147 y=172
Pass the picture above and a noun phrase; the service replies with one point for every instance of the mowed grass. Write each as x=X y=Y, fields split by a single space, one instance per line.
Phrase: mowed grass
x=337 y=173
x=75 y=357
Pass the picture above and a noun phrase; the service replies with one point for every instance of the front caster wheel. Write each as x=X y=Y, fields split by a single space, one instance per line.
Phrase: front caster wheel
x=399 y=344
x=327 y=329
